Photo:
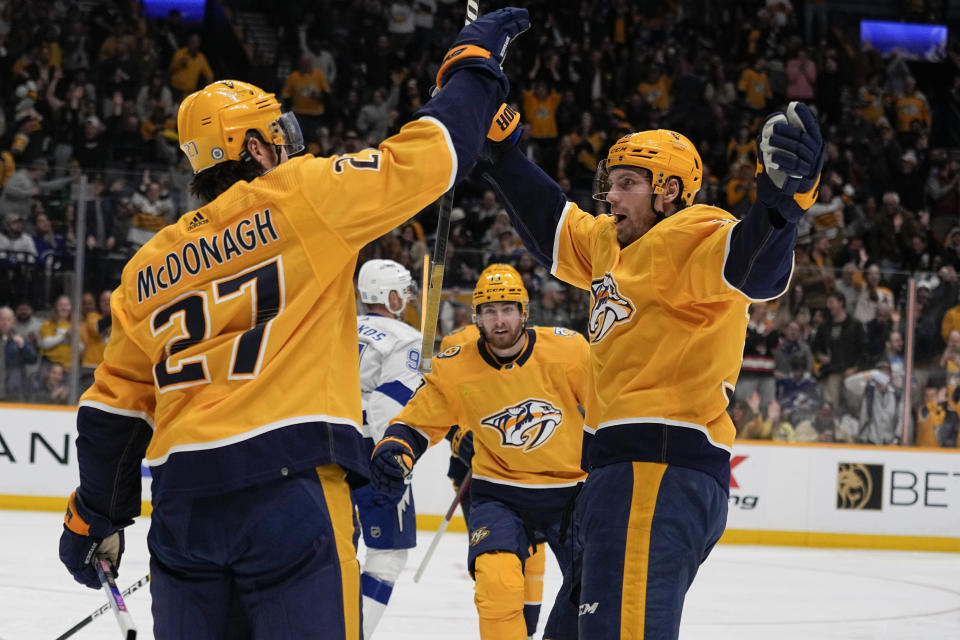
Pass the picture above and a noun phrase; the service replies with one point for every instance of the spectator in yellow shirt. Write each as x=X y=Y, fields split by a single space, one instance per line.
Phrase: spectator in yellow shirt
x=656 y=89
x=188 y=65
x=304 y=89
x=96 y=335
x=911 y=107
x=755 y=86
x=540 y=112
x=57 y=335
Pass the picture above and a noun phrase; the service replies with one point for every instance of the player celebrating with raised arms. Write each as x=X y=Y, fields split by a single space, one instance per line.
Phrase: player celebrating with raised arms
x=389 y=356
x=670 y=283
x=232 y=366
x=519 y=391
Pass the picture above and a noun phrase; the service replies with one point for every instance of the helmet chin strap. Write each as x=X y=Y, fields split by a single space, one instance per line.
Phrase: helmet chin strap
x=403 y=304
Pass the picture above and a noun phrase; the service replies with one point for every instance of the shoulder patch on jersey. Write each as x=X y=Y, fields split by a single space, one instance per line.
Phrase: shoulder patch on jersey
x=563 y=331
x=526 y=425
x=608 y=307
x=450 y=352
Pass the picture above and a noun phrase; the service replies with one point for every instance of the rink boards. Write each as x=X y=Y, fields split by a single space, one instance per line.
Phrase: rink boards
x=780 y=494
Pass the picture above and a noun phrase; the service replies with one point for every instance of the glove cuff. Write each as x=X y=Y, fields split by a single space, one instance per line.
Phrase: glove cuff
x=82 y=520
x=504 y=125
x=477 y=58
x=389 y=439
x=456 y=440
x=457 y=55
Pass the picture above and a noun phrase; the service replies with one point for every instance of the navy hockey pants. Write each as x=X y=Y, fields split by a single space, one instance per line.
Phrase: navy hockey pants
x=641 y=531
x=275 y=561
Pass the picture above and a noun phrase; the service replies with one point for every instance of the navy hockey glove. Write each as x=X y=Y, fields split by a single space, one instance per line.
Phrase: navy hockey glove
x=390 y=464
x=87 y=534
x=483 y=43
x=461 y=444
x=790 y=155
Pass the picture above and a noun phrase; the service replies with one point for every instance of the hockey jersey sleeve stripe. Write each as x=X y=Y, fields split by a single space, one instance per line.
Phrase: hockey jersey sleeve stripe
x=556 y=238
x=417 y=442
x=453 y=151
x=535 y=203
x=129 y=413
x=396 y=391
x=758 y=260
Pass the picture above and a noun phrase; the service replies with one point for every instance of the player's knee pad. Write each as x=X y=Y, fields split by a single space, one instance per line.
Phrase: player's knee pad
x=533 y=570
x=499 y=588
x=385 y=564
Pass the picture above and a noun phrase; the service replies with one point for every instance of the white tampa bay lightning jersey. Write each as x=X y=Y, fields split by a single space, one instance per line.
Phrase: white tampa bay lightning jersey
x=389 y=358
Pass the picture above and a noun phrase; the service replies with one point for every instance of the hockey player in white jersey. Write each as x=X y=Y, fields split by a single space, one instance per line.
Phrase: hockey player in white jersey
x=389 y=358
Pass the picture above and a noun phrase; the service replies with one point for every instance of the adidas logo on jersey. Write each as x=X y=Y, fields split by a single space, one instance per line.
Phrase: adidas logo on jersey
x=526 y=425
x=198 y=221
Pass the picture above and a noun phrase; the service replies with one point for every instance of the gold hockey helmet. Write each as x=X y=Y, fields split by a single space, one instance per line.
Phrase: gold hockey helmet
x=213 y=123
x=662 y=152
x=500 y=283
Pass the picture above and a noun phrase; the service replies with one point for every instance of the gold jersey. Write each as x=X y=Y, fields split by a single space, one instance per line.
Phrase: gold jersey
x=460 y=335
x=234 y=329
x=525 y=415
x=666 y=334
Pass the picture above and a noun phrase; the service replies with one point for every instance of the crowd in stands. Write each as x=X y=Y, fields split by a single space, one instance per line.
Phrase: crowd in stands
x=90 y=92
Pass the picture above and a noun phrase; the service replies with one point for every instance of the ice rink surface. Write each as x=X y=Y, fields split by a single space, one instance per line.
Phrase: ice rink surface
x=741 y=593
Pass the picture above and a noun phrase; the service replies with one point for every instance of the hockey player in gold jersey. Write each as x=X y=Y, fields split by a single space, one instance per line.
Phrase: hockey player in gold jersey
x=232 y=365
x=518 y=390
x=670 y=282
x=461 y=445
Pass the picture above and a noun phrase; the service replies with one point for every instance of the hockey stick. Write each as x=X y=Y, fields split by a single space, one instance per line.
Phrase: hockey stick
x=439 y=258
x=108 y=580
x=102 y=610
x=443 y=525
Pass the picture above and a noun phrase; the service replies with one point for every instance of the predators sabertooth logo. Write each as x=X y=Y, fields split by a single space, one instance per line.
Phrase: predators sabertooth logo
x=477 y=536
x=609 y=308
x=526 y=425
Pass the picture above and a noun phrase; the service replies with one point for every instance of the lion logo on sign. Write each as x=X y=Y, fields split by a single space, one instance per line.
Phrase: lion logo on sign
x=609 y=308
x=526 y=425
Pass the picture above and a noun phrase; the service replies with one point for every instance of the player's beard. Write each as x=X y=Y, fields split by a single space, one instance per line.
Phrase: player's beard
x=502 y=340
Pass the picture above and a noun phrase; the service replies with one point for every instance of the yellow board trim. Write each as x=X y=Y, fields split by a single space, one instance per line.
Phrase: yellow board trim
x=840 y=540
x=39 y=407
x=428 y=522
